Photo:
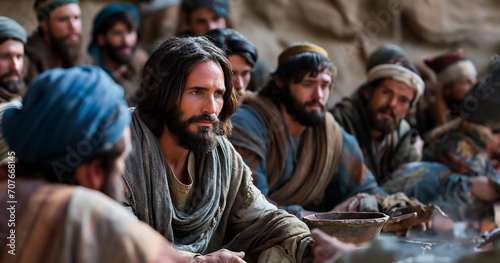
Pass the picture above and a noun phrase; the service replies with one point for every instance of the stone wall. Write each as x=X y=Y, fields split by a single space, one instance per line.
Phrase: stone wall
x=348 y=29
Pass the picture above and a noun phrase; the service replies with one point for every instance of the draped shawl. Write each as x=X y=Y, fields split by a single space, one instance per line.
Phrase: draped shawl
x=321 y=153
x=227 y=209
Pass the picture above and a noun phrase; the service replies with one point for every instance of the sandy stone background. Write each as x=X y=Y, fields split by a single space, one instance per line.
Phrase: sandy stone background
x=348 y=29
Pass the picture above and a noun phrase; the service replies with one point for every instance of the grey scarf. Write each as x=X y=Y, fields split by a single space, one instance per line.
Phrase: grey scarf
x=150 y=198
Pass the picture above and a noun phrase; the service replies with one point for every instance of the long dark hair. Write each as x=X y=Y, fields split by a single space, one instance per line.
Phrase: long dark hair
x=234 y=43
x=294 y=69
x=164 y=77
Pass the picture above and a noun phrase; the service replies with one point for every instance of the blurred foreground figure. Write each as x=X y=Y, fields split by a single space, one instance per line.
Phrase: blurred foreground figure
x=69 y=142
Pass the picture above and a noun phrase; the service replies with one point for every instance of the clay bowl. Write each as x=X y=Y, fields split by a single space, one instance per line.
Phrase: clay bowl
x=350 y=227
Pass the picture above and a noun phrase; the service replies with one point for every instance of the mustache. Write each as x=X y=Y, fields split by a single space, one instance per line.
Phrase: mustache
x=10 y=73
x=71 y=34
x=204 y=117
x=124 y=46
x=388 y=109
x=313 y=102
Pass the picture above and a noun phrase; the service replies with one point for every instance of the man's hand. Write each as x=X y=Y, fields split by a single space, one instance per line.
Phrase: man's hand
x=481 y=188
x=327 y=247
x=423 y=219
x=220 y=256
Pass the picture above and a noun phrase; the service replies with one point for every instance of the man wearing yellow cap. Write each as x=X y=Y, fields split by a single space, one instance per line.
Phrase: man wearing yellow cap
x=300 y=157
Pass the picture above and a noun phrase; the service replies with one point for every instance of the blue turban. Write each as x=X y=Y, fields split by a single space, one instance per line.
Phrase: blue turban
x=10 y=29
x=108 y=11
x=67 y=117
x=220 y=7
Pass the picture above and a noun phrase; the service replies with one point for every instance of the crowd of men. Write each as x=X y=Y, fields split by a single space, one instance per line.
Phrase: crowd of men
x=121 y=155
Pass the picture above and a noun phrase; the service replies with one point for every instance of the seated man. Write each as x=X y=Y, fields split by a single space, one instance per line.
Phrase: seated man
x=299 y=155
x=241 y=53
x=114 y=46
x=197 y=17
x=57 y=41
x=375 y=112
x=185 y=179
x=466 y=144
x=72 y=131
x=456 y=75
x=12 y=40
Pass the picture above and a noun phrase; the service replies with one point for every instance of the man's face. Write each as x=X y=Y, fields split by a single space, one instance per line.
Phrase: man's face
x=306 y=100
x=64 y=27
x=388 y=104
x=241 y=72
x=119 y=43
x=203 y=19
x=457 y=90
x=65 y=23
x=196 y=123
x=11 y=65
x=113 y=184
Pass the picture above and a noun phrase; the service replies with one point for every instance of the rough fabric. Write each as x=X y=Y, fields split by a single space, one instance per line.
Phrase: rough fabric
x=253 y=134
x=435 y=183
x=461 y=146
x=320 y=144
x=350 y=113
x=227 y=211
x=60 y=223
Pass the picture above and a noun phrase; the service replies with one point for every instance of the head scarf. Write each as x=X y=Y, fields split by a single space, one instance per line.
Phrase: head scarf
x=390 y=61
x=298 y=48
x=68 y=116
x=108 y=11
x=450 y=66
x=43 y=8
x=220 y=7
x=481 y=103
x=10 y=29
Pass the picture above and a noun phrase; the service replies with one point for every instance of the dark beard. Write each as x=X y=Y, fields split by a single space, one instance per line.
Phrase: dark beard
x=385 y=126
x=14 y=87
x=113 y=189
x=114 y=55
x=299 y=112
x=203 y=141
x=70 y=53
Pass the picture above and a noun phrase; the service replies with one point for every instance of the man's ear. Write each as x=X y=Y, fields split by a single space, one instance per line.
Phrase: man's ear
x=367 y=93
x=278 y=81
x=91 y=174
x=44 y=25
x=101 y=40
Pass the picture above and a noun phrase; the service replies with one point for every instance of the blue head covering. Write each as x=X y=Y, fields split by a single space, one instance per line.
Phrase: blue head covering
x=67 y=117
x=220 y=7
x=108 y=11
x=10 y=29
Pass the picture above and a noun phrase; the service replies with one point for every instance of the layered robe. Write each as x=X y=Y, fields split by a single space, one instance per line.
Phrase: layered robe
x=326 y=169
x=61 y=223
x=219 y=208
x=399 y=145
